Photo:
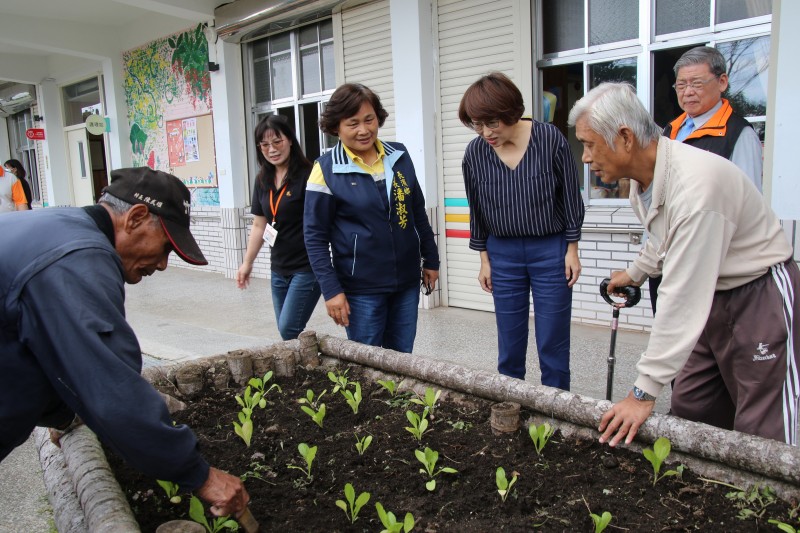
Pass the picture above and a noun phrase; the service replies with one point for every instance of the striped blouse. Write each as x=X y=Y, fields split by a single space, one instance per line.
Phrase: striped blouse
x=540 y=197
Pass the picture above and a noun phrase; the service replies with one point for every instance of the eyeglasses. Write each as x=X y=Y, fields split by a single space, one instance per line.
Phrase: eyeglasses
x=694 y=84
x=277 y=143
x=478 y=126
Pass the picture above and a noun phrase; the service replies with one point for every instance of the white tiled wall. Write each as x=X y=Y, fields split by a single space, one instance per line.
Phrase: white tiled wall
x=606 y=245
x=261 y=265
x=207 y=230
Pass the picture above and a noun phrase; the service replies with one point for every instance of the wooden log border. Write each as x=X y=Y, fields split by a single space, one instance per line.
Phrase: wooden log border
x=726 y=456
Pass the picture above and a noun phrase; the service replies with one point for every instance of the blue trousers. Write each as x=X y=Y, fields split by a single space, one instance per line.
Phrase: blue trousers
x=387 y=320
x=294 y=298
x=520 y=267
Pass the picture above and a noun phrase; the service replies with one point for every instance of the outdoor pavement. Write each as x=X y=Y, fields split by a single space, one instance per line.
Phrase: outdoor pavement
x=181 y=314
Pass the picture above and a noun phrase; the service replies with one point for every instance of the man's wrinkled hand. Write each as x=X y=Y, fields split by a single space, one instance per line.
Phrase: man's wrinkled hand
x=224 y=493
x=624 y=419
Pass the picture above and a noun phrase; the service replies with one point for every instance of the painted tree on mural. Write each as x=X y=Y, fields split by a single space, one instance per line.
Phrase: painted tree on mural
x=165 y=72
x=190 y=59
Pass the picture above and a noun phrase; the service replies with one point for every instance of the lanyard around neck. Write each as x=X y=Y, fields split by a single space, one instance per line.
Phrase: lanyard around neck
x=274 y=206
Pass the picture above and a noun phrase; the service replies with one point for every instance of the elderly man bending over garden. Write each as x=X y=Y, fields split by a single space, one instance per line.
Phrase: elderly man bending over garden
x=66 y=348
x=728 y=324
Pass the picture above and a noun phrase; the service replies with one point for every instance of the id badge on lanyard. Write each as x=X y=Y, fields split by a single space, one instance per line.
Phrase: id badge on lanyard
x=270 y=233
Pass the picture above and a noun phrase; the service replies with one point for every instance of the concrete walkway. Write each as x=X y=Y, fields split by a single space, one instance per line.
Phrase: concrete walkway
x=182 y=314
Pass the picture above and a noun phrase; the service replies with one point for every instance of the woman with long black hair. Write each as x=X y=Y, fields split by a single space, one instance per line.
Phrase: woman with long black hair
x=277 y=205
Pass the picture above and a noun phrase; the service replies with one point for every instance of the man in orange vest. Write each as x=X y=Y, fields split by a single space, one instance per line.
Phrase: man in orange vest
x=708 y=121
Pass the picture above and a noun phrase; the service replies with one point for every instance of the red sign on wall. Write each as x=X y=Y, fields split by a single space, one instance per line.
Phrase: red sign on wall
x=35 y=134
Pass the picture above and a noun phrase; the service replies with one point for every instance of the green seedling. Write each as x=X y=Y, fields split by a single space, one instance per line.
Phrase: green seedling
x=260 y=384
x=171 y=489
x=601 y=522
x=503 y=484
x=339 y=379
x=353 y=505
x=390 y=523
x=244 y=428
x=317 y=416
x=363 y=443
x=418 y=425
x=257 y=471
x=783 y=526
x=657 y=455
x=198 y=514
x=312 y=400
x=753 y=502
x=249 y=400
x=460 y=425
x=428 y=458
x=428 y=400
x=540 y=435
x=353 y=398
x=308 y=454
x=313 y=407
x=389 y=385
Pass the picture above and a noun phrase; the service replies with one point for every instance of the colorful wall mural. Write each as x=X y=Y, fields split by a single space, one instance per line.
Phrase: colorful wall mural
x=166 y=83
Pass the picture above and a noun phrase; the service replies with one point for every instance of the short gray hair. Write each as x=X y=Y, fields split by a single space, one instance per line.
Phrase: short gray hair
x=703 y=55
x=120 y=207
x=612 y=105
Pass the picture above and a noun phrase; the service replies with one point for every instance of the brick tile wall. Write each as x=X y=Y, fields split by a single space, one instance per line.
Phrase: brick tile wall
x=607 y=245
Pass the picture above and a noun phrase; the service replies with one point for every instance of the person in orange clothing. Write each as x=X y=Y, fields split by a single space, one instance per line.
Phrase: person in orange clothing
x=12 y=195
x=14 y=166
x=709 y=122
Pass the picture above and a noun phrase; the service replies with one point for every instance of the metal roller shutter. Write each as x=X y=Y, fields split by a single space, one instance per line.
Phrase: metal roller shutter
x=475 y=37
x=367 y=45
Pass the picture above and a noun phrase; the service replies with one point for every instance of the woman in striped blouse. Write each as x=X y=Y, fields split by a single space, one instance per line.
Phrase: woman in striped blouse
x=526 y=213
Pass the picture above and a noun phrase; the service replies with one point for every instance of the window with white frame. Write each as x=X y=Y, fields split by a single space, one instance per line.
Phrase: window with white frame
x=611 y=23
x=748 y=63
x=693 y=16
x=582 y=43
x=292 y=74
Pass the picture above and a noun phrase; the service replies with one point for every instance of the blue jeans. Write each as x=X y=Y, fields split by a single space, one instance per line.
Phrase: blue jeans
x=294 y=298
x=521 y=266
x=387 y=320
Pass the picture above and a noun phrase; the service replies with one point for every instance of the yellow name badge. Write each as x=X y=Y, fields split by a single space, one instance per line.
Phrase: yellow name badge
x=270 y=235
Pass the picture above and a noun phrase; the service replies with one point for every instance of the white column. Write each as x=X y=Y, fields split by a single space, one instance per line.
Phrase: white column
x=119 y=144
x=781 y=184
x=230 y=135
x=57 y=172
x=414 y=88
x=230 y=141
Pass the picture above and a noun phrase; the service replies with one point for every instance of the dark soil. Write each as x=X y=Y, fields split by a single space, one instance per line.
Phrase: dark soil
x=554 y=491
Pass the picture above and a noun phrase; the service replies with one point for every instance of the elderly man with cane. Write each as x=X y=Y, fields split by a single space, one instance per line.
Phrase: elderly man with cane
x=728 y=322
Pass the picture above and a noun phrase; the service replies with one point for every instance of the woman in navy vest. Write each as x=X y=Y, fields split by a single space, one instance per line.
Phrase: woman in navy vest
x=364 y=203
x=526 y=213
x=277 y=208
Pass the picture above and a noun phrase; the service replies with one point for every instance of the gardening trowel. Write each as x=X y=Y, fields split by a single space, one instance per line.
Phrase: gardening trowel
x=248 y=522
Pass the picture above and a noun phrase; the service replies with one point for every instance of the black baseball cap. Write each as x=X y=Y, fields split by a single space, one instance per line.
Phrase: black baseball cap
x=165 y=196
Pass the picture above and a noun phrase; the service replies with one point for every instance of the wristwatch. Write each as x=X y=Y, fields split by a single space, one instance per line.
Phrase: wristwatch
x=642 y=396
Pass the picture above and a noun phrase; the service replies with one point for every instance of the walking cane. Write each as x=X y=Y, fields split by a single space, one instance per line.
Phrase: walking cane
x=632 y=297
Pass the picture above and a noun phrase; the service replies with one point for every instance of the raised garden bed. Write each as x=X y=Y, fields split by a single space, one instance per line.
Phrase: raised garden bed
x=555 y=491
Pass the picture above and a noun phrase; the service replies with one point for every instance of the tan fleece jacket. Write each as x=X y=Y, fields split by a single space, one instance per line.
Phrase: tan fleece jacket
x=710 y=230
